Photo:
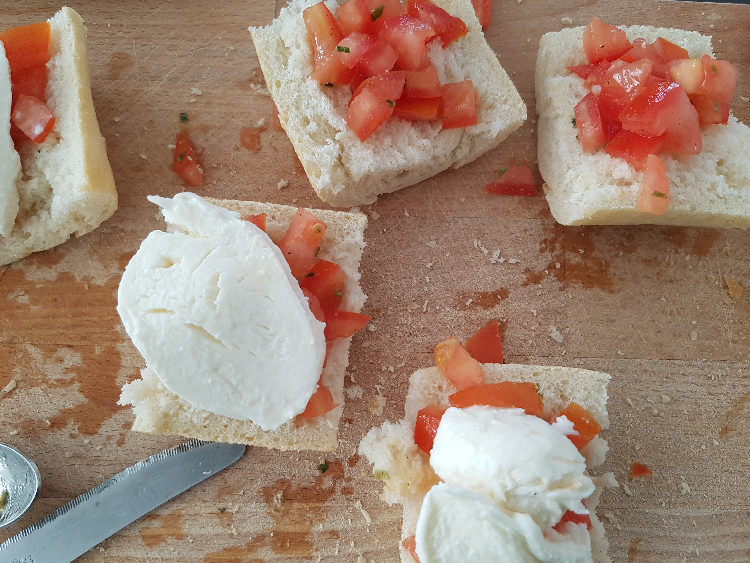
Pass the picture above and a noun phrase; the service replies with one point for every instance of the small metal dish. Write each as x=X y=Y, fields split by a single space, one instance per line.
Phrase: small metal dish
x=19 y=477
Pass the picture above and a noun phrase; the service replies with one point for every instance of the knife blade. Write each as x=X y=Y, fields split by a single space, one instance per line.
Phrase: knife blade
x=78 y=526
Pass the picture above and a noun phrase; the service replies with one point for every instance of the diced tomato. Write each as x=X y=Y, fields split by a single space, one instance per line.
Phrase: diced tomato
x=634 y=148
x=258 y=220
x=352 y=47
x=426 y=426
x=638 y=470
x=326 y=281
x=26 y=45
x=621 y=83
x=459 y=105
x=574 y=517
x=379 y=58
x=640 y=50
x=604 y=42
x=422 y=83
x=320 y=403
x=589 y=123
x=410 y=545
x=186 y=164
x=583 y=423
x=301 y=242
x=408 y=35
x=668 y=51
x=517 y=180
x=33 y=117
x=419 y=109
x=324 y=34
x=710 y=111
x=486 y=344
x=329 y=346
x=314 y=304
x=457 y=364
x=373 y=102
x=597 y=74
x=357 y=81
x=582 y=70
x=654 y=195
x=611 y=128
x=343 y=324
x=483 y=10
x=354 y=17
x=507 y=394
x=386 y=9
x=31 y=81
x=447 y=28
x=719 y=79
x=688 y=73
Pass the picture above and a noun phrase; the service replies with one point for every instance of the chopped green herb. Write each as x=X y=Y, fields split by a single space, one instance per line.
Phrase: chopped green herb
x=391 y=103
x=502 y=171
x=377 y=12
x=323 y=467
x=717 y=106
x=317 y=251
x=573 y=121
x=381 y=475
x=184 y=117
x=714 y=70
x=337 y=293
x=182 y=155
x=577 y=137
x=223 y=509
x=658 y=194
x=341 y=49
x=311 y=274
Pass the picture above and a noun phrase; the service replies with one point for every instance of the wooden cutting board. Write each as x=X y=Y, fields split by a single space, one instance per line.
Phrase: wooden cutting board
x=649 y=305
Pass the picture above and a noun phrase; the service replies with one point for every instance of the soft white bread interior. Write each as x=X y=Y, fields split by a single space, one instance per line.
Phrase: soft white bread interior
x=67 y=186
x=405 y=469
x=159 y=411
x=345 y=171
x=710 y=189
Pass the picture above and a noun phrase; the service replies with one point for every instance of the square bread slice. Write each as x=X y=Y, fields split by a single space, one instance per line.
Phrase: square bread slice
x=159 y=411
x=405 y=469
x=711 y=189
x=345 y=171
x=67 y=187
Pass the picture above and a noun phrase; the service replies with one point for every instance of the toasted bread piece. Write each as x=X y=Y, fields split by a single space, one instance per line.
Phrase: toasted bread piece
x=711 y=189
x=67 y=187
x=406 y=471
x=159 y=411
x=345 y=171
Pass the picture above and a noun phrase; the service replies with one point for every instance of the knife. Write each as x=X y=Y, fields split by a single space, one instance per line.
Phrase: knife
x=70 y=531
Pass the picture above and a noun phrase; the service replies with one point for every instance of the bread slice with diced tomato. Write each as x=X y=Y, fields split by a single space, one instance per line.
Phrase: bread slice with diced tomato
x=159 y=411
x=710 y=189
x=66 y=187
x=405 y=469
x=345 y=171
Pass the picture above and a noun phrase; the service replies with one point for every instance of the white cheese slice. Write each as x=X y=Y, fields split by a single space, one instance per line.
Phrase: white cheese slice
x=10 y=162
x=215 y=312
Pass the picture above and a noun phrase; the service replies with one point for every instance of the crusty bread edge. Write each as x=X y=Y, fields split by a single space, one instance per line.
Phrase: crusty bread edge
x=158 y=411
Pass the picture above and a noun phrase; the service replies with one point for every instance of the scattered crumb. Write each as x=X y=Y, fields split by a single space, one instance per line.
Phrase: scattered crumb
x=424 y=307
x=566 y=21
x=366 y=515
x=555 y=334
x=665 y=399
x=143 y=156
x=713 y=17
x=261 y=122
x=117 y=119
x=412 y=306
x=716 y=442
x=406 y=212
x=620 y=353
x=685 y=488
x=8 y=388
x=745 y=99
x=630 y=402
x=354 y=392
x=361 y=559
x=13 y=432
x=375 y=215
x=195 y=91
x=372 y=328
x=431 y=243
x=376 y=405
x=627 y=489
x=693 y=335
x=513 y=261
x=735 y=289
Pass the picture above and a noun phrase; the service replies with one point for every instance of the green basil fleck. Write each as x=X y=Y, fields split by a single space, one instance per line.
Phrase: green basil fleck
x=323 y=467
x=502 y=171
x=182 y=155
x=338 y=293
x=658 y=194
x=341 y=49
x=184 y=117
x=316 y=252
x=377 y=12
x=223 y=509
x=573 y=121
x=391 y=103
x=714 y=70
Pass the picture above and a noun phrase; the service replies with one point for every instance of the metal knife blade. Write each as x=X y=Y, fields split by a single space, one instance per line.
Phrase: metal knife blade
x=78 y=526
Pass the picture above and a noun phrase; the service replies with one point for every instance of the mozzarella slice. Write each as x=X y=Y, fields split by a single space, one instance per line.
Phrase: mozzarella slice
x=10 y=162
x=215 y=312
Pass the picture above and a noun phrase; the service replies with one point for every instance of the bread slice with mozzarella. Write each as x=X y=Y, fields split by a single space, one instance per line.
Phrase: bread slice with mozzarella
x=66 y=186
x=711 y=189
x=160 y=411
x=406 y=471
x=345 y=171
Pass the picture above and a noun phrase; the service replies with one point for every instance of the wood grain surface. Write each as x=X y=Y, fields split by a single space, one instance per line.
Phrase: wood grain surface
x=649 y=305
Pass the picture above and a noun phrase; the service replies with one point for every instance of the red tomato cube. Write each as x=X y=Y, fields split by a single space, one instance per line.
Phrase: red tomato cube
x=324 y=34
x=257 y=220
x=447 y=28
x=418 y=109
x=186 y=164
x=583 y=423
x=410 y=545
x=710 y=110
x=517 y=180
x=379 y=58
x=343 y=324
x=381 y=10
x=668 y=51
x=639 y=471
x=574 y=517
x=426 y=426
x=326 y=281
x=314 y=303
x=408 y=35
x=457 y=364
x=301 y=241
x=483 y=10
x=719 y=79
x=423 y=83
x=486 y=344
x=589 y=123
x=654 y=194
x=621 y=83
x=33 y=117
x=352 y=47
x=320 y=403
x=459 y=105
x=634 y=148
x=26 y=45
x=354 y=17
x=604 y=42
x=373 y=102
x=506 y=394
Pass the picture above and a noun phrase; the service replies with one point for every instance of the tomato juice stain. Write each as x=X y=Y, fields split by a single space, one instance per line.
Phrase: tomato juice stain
x=482 y=300
x=118 y=62
x=250 y=138
x=168 y=526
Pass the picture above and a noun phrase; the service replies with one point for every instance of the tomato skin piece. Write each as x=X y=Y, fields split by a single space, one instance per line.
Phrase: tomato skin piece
x=408 y=35
x=378 y=59
x=352 y=48
x=457 y=365
x=426 y=426
x=589 y=123
x=620 y=85
x=517 y=180
x=447 y=28
x=668 y=50
x=354 y=17
x=320 y=402
x=710 y=111
x=33 y=117
x=604 y=42
x=459 y=105
x=314 y=303
x=31 y=81
x=410 y=545
x=506 y=394
x=186 y=164
x=486 y=345
x=483 y=10
x=574 y=517
x=634 y=148
x=585 y=424
x=300 y=243
x=418 y=109
x=582 y=70
x=654 y=196
x=343 y=324
x=26 y=45
x=639 y=471
x=258 y=220
x=326 y=281
x=324 y=33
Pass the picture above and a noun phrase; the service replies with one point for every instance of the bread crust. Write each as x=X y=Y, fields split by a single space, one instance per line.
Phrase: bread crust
x=391 y=448
x=711 y=189
x=345 y=171
x=159 y=411
x=82 y=192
